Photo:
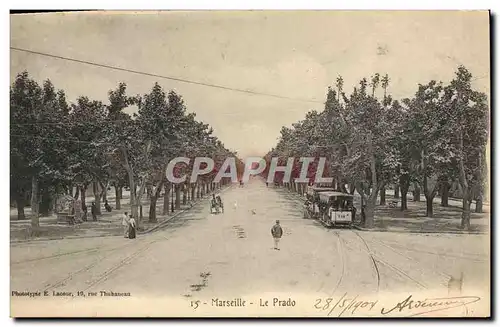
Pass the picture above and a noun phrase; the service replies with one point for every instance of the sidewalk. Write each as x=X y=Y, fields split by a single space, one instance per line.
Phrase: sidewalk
x=107 y=224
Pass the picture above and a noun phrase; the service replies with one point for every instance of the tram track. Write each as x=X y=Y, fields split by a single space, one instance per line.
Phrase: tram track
x=86 y=268
x=443 y=275
x=342 y=259
x=56 y=256
x=468 y=256
x=374 y=262
x=376 y=258
x=122 y=263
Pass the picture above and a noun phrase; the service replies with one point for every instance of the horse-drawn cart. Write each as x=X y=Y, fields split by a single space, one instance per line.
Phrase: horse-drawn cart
x=216 y=205
x=311 y=205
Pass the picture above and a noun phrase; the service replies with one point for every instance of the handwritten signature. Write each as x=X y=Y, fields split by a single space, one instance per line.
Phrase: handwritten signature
x=430 y=305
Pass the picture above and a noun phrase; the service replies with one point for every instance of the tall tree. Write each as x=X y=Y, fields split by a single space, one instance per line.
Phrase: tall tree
x=467 y=111
x=38 y=136
x=375 y=81
x=340 y=86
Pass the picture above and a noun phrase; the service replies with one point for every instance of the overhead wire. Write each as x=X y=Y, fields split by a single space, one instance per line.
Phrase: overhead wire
x=177 y=79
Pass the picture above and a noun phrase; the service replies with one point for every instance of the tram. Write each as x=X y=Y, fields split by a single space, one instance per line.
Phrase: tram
x=336 y=209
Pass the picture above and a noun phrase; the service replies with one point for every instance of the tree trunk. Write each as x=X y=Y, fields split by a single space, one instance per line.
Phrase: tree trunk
x=372 y=198
x=465 y=223
x=396 y=191
x=464 y=183
x=152 y=209
x=83 y=191
x=45 y=203
x=382 y=196
x=430 y=185
x=369 y=213
x=404 y=200
x=104 y=191
x=77 y=192
x=166 y=198
x=131 y=183
x=97 y=197
x=193 y=190
x=479 y=204
x=184 y=195
x=118 y=203
x=138 y=202
x=35 y=222
x=404 y=186
x=445 y=187
x=429 y=208
x=177 y=197
x=20 y=207
x=416 y=193
x=153 y=199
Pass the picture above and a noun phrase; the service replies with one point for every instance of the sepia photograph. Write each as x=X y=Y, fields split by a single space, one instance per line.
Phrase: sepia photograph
x=250 y=163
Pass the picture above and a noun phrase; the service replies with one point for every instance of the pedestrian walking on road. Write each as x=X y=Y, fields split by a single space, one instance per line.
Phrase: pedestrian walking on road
x=277 y=232
x=125 y=224
x=93 y=210
x=131 y=230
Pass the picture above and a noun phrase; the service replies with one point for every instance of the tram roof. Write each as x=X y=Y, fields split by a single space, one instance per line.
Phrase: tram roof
x=322 y=189
x=332 y=194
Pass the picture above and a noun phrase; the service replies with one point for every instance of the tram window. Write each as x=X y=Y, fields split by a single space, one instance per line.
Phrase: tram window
x=336 y=205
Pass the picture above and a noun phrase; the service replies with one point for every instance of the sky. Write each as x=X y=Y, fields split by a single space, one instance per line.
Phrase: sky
x=293 y=54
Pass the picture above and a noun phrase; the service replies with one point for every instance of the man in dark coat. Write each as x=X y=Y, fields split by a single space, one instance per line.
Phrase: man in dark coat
x=93 y=210
x=276 y=232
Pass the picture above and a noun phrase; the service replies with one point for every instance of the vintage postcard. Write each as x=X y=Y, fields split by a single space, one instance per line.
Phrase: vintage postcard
x=250 y=164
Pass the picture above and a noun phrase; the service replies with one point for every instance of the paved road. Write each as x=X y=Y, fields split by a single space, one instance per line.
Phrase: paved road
x=204 y=257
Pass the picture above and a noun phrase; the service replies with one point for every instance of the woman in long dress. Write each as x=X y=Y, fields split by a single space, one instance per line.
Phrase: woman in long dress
x=131 y=228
